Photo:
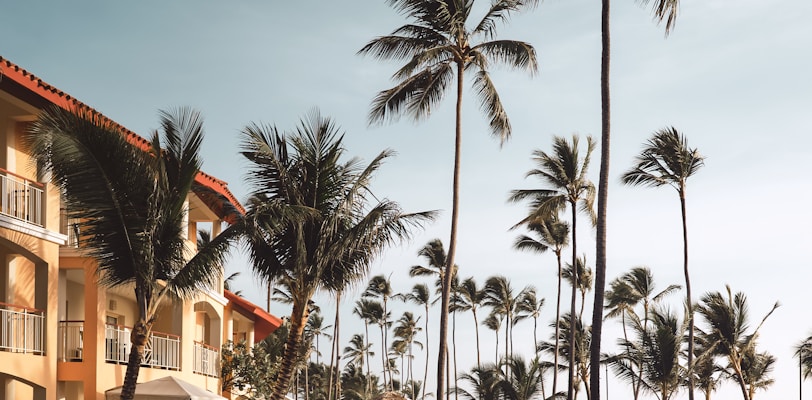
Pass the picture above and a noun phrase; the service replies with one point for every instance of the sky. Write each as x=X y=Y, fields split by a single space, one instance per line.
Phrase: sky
x=733 y=77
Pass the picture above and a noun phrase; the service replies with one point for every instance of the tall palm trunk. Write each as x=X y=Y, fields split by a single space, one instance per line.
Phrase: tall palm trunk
x=557 y=322
x=138 y=339
x=335 y=354
x=603 y=197
x=572 y=367
x=476 y=331
x=454 y=344
x=298 y=320
x=452 y=242
x=366 y=354
x=384 y=361
x=688 y=298
x=426 y=371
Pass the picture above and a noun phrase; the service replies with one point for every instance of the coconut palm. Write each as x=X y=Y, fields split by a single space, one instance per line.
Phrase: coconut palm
x=529 y=306
x=420 y=296
x=708 y=374
x=756 y=369
x=435 y=255
x=583 y=274
x=358 y=352
x=406 y=330
x=313 y=222
x=131 y=200
x=437 y=44
x=380 y=287
x=565 y=172
x=383 y=321
x=551 y=233
x=499 y=296
x=804 y=353
x=627 y=292
x=370 y=311
x=484 y=381
x=666 y=159
x=525 y=380
x=580 y=352
x=494 y=323
x=651 y=360
x=470 y=298
x=315 y=328
x=662 y=9
x=727 y=336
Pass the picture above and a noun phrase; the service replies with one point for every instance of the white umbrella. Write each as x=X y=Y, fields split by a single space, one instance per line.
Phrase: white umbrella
x=168 y=388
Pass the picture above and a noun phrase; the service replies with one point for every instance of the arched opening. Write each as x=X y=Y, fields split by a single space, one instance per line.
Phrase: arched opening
x=207 y=339
x=12 y=387
x=23 y=299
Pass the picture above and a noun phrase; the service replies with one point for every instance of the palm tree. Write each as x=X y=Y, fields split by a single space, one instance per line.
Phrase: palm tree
x=494 y=323
x=470 y=298
x=378 y=317
x=420 y=296
x=436 y=45
x=663 y=9
x=358 y=353
x=708 y=374
x=656 y=352
x=551 y=233
x=369 y=311
x=315 y=327
x=666 y=159
x=727 y=336
x=579 y=349
x=406 y=330
x=529 y=306
x=804 y=353
x=313 y=222
x=500 y=298
x=565 y=170
x=380 y=287
x=485 y=382
x=756 y=368
x=583 y=274
x=625 y=293
x=524 y=382
x=131 y=200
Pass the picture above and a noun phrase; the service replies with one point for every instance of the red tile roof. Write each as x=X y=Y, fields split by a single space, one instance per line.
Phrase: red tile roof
x=35 y=91
x=264 y=323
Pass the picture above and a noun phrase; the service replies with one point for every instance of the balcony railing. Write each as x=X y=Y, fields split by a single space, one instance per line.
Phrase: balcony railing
x=22 y=329
x=71 y=340
x=21 y=198
x=206 y=359
x=162 y=349
x=69 y=227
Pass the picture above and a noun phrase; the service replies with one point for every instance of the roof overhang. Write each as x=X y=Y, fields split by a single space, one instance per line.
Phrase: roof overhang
x=33 y=90
x=264 y=322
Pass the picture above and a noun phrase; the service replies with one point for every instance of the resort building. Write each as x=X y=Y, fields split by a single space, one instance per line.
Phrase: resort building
x=61 y=335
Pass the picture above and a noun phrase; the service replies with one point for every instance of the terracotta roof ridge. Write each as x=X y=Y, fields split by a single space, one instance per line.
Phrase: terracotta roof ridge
x=66 y=101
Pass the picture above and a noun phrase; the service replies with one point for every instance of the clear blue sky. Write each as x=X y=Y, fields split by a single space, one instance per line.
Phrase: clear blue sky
x=733 y=76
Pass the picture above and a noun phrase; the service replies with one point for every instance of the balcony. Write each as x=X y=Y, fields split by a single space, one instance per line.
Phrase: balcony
x=22 y=329
x=162 y=349
x=71 y=341
x=21 y=198
x=206 y=359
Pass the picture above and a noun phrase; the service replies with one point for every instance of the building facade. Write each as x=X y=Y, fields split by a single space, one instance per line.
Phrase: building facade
x=62 y=336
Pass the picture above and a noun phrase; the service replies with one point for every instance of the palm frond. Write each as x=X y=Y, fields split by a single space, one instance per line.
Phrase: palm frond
x=491 y=105
x=499 y=12
x=513 y=53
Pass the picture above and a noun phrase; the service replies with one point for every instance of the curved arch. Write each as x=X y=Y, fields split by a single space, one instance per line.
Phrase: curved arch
x=39 y=391
x=40 y=270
